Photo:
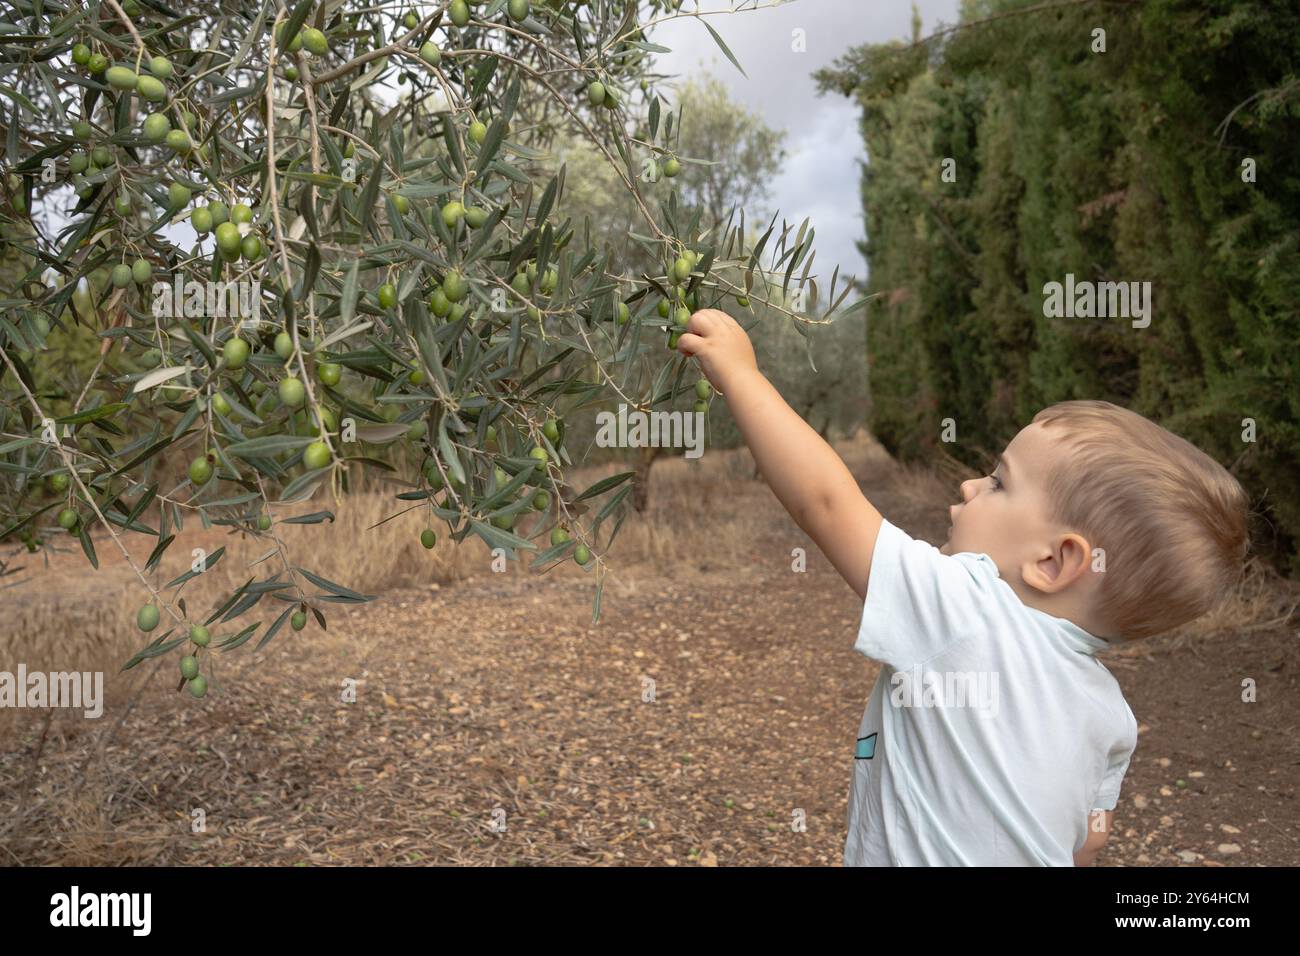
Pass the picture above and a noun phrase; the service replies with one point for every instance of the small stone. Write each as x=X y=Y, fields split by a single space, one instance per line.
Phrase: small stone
x=1229 y=848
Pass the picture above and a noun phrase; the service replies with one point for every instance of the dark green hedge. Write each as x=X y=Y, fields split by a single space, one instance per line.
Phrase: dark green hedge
x=1117 y=166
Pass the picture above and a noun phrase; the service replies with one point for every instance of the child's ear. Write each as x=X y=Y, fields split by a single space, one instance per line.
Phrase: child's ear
x=1064 y=561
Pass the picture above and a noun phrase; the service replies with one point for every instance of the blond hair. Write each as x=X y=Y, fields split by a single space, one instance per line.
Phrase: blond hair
x=1171 y=520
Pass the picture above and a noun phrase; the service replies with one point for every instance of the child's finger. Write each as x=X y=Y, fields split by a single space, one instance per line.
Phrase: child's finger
x=688 y=343
x=703 y=321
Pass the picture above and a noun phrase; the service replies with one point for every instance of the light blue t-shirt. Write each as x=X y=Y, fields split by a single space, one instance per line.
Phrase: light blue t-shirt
x=992 y=731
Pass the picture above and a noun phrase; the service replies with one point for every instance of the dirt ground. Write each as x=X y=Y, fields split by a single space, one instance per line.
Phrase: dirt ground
x=495 y=725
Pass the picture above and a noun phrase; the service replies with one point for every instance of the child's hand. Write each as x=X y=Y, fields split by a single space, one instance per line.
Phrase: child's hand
x=721 y=346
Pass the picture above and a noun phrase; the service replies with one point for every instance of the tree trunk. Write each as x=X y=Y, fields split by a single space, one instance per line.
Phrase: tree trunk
x=641 y=477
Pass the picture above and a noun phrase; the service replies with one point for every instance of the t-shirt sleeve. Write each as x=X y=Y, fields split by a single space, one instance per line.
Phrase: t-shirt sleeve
x=919 y=601
x=1117 y=761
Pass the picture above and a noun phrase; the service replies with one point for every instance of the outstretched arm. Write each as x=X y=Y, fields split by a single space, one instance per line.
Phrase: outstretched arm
x=803 y=471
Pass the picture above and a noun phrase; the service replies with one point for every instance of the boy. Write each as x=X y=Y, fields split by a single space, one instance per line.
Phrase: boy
x=1096 y=527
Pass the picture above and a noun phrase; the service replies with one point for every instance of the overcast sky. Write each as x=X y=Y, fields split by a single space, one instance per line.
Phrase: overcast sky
x=823 y=147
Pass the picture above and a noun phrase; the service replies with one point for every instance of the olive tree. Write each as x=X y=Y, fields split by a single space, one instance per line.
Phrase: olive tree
x=321 y=239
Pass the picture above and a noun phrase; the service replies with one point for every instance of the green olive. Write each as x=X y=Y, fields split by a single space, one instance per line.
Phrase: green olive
x=201 y=220
x=235 y=353
x=315 y=41
x=452 y=213
x=121 y=78
x=454 y=286
x=229 y=241
x=151 y=88
x=156 y=127
x=283 y=345
x=316 y=455
x=292 y=392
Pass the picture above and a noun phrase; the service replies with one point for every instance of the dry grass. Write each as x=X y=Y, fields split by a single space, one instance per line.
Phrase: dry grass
x=59 y=631
x=68 y=617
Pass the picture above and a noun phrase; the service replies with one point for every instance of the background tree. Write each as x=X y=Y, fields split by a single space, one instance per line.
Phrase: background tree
x=744 y=154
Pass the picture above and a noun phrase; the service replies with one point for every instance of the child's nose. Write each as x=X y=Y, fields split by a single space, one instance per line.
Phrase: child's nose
x=968 y=488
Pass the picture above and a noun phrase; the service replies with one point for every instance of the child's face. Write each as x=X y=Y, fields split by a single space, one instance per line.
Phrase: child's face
x=1005 y=515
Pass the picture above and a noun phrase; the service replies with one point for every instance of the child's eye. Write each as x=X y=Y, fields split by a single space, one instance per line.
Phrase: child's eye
x=997 y=482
